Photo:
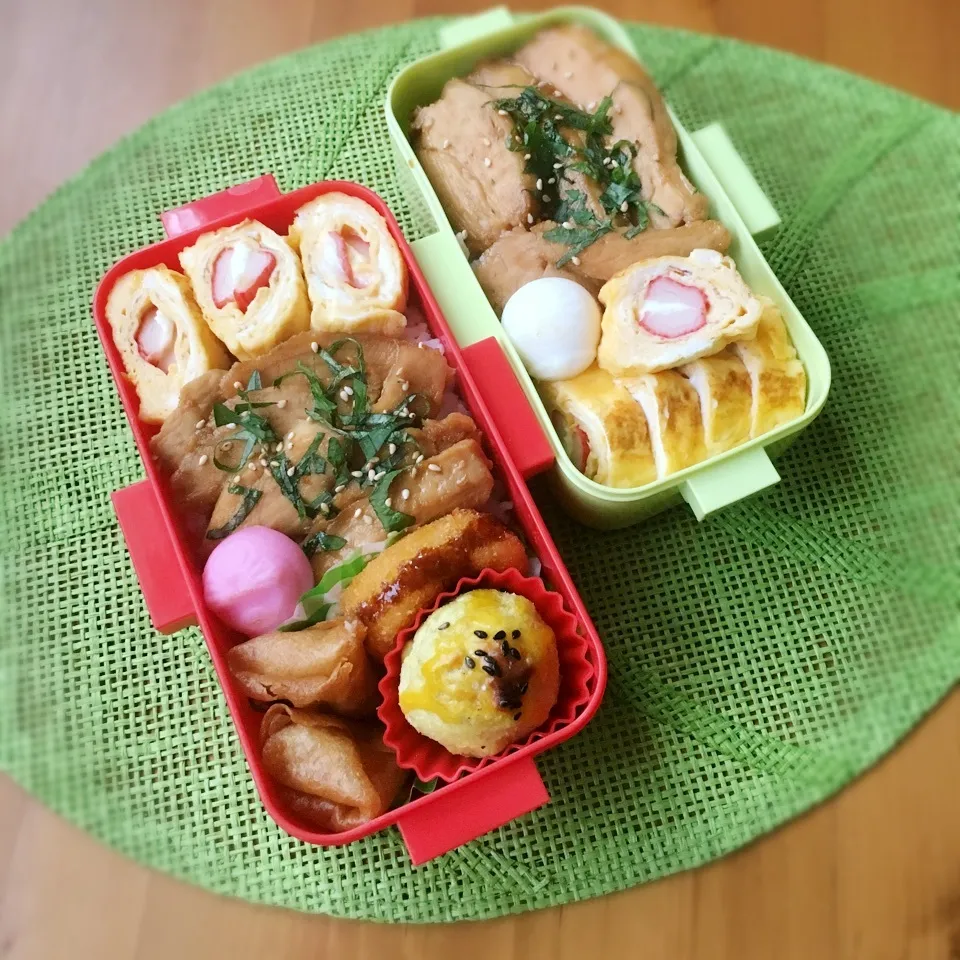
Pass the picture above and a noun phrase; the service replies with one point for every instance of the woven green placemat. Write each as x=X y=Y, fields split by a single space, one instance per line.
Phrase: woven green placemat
x=758 y=660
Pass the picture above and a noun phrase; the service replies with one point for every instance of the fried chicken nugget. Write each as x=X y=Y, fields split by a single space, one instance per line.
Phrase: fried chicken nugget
x=408 y=576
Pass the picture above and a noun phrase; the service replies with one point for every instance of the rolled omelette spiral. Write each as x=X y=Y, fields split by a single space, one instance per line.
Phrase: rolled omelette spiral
x=249 y=285
x=162 y=338
x=667 y=311
x=356 y=276
x=602 y=428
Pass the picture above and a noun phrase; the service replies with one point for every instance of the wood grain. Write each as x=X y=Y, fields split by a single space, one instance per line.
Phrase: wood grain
x=875 y=873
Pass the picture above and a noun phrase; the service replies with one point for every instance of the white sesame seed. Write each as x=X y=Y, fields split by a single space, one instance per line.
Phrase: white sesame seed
x=388 y=502
x=552 y=180
x=405 y=386
x=380 y=475
x=568 y=224
x=373 y=460
x=419 y=346
x=405 y=494
x=348 y=391
x=371 y=475
x=546 y=199
x=419 y=458
x=314 y=346
x=575 y=261
x=568 y=74
x=278 y=447
x=392 y=448
x=325 y=507
x=237 y=384
x=558 y=117
x=367 y=519
x=357 y=513
x=486 y=141
x=539 y=183
x=529 y=218
x=251 y=466
x=624 y=207
x=290 y=435
x=487 y=161
x=356 y=473
x=526 y=156
x=289 y=444
x=203 y=460
x=245 y=414
x=291 y=471
x=446 y=143
x=236 y=479
x=339 y=488
x=591 y=104
x=503 y=113
x=433 y=467
x=557 y=166
x=281 y=403
x=344 y=395
x=200 y=424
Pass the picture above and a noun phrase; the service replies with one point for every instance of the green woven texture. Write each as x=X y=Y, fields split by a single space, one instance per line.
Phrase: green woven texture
x=758 y=661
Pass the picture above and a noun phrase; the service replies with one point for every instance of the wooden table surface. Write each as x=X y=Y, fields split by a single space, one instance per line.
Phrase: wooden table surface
x=874 y=873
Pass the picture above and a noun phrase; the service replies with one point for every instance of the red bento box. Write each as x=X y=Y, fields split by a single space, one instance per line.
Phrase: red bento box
x=480 y=800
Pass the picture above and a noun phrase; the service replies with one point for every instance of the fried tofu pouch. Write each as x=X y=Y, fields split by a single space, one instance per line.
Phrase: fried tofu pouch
x=461 y=142
x=162 y=338
x=336 y=773
x=520 y=256
x=325 y=665
x=585 y=69
x=249 y=285
x=411 y=573
x=356 y=276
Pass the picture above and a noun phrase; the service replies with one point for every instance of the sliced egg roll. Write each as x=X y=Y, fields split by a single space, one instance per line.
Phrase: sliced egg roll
x=249 y=285
x=162 y=338
x=667 y=311
x=602 y=428
x=356 y=276
x=726 y=399
x=778 y=380
x=673 y=416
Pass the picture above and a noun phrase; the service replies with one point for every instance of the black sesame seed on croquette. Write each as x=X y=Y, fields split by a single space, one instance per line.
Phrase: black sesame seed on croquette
x=470 y=662
x=482 y=634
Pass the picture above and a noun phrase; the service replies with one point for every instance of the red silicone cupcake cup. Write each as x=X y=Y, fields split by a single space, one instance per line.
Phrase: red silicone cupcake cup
x=427 y=758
